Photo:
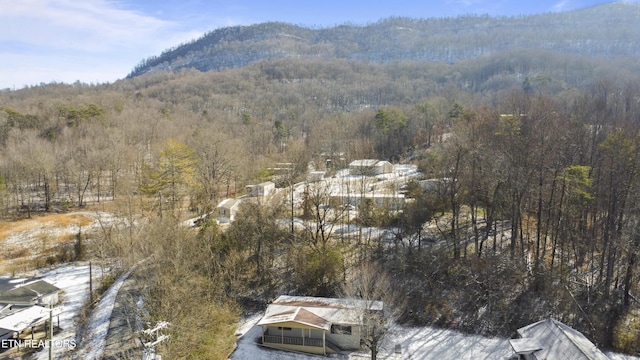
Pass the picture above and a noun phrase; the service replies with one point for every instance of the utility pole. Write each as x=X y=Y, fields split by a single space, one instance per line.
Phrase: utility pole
x=50 y=331
x=90 y=285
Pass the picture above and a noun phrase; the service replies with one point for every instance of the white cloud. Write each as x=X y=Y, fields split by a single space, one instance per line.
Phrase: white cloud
x=69 y=40
x=560 y=6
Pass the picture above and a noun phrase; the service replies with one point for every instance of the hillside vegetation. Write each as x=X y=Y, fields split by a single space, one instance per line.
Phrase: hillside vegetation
x=538 y=151
x=605 y=31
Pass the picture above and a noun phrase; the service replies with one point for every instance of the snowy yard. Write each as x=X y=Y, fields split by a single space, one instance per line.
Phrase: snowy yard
x=417 y=343
x=73 y=279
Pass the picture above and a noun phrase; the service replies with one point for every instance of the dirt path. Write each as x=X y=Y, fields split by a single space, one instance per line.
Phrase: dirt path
x=122 y=341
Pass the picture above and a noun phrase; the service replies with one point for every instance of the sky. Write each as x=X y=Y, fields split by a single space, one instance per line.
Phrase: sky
x=101 y=41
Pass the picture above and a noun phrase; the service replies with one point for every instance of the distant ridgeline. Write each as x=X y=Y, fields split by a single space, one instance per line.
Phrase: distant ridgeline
x=606 y=31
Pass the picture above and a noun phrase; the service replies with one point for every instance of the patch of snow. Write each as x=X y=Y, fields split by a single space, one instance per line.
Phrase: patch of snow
x=425 y=343
x=92 y=346
x=43 y=235
x=248 y=348
x=73 y=279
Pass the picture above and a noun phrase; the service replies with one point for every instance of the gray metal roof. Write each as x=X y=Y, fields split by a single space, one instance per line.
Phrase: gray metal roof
x=27 y=293
x=558 y=341
x=318 y=312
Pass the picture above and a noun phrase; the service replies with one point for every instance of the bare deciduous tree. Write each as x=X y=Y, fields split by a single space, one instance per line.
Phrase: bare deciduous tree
x=371 y=290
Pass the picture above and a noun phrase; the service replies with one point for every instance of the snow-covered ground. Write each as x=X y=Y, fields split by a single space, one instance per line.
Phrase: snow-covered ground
x=417 y=343
x=73 y=279
x=93 y=343
x=34 y=233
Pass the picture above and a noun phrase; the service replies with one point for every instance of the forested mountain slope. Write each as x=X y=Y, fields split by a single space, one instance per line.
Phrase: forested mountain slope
x=540 y=141
x=607 y=31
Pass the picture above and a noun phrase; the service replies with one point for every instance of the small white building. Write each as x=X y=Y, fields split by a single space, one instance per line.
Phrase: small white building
x=262 y=189
x=226 y=210
x=370 y=167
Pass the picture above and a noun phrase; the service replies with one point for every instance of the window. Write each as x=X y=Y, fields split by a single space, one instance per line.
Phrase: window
x=341 y=329
x=285 y=329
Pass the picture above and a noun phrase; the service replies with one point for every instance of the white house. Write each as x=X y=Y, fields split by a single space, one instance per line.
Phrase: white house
x=226 y=210
x=315 y=325
x=551 y=339
x=262 y=189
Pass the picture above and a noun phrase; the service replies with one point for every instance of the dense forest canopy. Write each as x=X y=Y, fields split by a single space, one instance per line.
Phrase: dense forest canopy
x=604 y=31
x=539 y=147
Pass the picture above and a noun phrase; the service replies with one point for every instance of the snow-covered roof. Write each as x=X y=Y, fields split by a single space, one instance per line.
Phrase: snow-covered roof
x=316 y=301
x=228 y=203
x=525 y=346
x=367 y=163
x=559 y=341
x=318 y=312
x=25 y=318
x=297 y=315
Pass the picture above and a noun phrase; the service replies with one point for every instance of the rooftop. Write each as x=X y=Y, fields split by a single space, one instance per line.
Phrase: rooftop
x=559 y=341
x=318 y=312
x=27 y=293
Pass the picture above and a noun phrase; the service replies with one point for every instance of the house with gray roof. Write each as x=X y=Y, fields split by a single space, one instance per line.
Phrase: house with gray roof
x=551 y=339
x=38 y=292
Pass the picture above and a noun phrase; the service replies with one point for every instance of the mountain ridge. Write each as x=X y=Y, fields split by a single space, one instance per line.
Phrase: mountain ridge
x=608 y=31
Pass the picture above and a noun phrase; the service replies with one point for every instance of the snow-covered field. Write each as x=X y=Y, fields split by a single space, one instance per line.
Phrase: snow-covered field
x=417 y=343
x=34 y=233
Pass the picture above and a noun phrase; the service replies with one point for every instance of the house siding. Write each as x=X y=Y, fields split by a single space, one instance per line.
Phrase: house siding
x=346 y=342
x=300 y=323
x=307 y=349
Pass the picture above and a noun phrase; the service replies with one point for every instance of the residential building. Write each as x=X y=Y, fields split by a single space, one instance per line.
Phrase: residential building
x=315 y=325
x=370 y=167
x=226 y=210
x=551 y=339
x=262 y=189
